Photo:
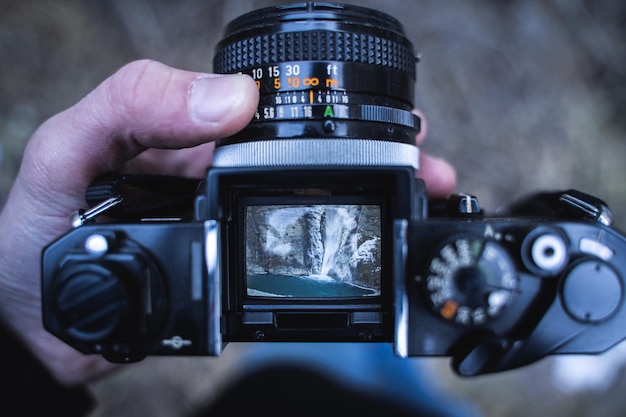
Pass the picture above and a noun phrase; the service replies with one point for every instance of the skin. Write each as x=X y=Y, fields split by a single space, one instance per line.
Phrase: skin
x=146 y=118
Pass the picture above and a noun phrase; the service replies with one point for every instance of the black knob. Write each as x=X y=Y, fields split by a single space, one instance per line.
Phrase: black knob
x=92 y=302
x=470 y=280
x=591 y=291
x=463 y=205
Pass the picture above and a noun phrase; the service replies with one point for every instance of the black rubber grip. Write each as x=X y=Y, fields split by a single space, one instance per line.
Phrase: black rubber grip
x=274 y=48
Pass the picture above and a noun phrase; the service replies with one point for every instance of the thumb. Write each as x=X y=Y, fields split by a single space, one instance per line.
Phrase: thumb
x=143 y=105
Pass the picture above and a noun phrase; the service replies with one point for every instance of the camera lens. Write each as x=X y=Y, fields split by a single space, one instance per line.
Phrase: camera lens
x=336 y=87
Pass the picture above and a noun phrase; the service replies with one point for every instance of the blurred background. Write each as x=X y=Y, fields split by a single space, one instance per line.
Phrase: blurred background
x=518 y=95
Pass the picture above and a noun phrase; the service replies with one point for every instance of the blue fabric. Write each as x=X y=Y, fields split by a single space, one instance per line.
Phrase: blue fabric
x=372 y=368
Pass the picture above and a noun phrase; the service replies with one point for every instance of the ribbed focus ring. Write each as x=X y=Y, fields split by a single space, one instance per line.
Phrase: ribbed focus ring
x=314 y=46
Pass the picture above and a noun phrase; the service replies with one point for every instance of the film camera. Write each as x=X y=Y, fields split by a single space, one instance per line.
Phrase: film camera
x=312 y=226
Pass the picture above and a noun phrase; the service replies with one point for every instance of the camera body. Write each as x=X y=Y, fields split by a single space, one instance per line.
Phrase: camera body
x=312 y=226
x=208 y=280
x=546 y=285
x=493 y=293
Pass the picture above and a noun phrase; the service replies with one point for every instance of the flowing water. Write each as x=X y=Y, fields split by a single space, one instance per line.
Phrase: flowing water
x=312 y=251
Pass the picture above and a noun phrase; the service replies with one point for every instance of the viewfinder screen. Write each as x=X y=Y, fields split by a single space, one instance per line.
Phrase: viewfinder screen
x=313 y=251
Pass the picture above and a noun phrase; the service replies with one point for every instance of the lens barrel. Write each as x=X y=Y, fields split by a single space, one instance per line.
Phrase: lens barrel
x=336 y=87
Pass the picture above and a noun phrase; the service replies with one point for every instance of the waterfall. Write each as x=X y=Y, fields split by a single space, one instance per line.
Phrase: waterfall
x=320 y=242
x=339 y=242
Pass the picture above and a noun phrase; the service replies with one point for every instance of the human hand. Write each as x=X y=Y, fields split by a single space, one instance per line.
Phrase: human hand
x=146 y=118
x=144 y=105
x=438 y=174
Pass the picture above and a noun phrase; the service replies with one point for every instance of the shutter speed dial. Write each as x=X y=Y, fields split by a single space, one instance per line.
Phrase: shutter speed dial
x=470 y=280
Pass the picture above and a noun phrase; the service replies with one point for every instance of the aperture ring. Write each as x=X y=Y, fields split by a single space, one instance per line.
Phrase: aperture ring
x=233 y=56
x=370 y=113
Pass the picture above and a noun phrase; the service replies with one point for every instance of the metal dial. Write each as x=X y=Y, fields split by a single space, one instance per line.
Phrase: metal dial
x=470 y=280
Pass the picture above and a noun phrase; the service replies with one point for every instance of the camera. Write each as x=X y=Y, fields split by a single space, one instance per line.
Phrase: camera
x=311 y=225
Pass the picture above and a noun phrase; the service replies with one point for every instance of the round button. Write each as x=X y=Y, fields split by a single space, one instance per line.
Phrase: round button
x=96 y=244
x=592 y=291
x=549 y=252
x=545 y=251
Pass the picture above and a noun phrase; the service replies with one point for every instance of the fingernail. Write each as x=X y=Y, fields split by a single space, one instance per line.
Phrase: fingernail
x=213 y=96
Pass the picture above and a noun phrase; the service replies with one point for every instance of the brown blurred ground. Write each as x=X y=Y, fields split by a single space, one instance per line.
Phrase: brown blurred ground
x=518 y=95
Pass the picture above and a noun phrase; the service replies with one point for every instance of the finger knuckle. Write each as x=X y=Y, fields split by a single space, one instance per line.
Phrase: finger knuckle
x=137 y=87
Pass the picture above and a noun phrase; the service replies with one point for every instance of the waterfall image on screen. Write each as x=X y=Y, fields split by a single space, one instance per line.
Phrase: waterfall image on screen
x=313 y=251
